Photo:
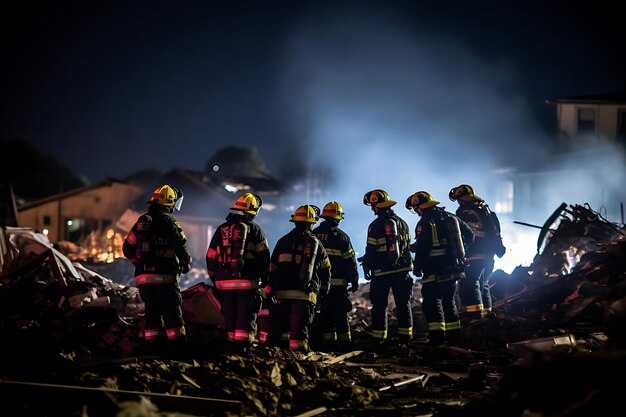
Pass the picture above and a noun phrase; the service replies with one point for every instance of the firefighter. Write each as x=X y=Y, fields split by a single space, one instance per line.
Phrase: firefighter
x=440 y=240
x=474 y=289
x=332 y=320
x=387 y=263
x=156 y=245
x=299 y=267
x=237 y=262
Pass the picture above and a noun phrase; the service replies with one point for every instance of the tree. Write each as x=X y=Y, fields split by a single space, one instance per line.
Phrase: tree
x=32 y=173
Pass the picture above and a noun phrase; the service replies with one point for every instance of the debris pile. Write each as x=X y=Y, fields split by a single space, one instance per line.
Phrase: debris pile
x=73 y=344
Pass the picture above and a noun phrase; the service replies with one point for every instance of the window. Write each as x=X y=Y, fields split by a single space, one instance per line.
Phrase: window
x=586 y=120
x=504 y=202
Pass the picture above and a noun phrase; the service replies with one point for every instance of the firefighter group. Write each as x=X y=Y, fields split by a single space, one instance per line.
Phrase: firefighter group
x=297 y=294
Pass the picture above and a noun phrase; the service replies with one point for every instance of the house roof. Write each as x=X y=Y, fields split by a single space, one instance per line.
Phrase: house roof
x=108 y=182
x=610 y=98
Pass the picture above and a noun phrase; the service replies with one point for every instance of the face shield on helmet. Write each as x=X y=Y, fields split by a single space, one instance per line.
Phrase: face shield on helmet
x=332 y=210
x=164 y=195
x=420 y=200
x=179 y=199
x=463 y=192
x=378 y=199
x=306 y=213
x=248 y=203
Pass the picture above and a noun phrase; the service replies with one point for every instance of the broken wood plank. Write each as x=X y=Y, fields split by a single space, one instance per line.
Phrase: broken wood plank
x=91 y=394
x=400 y=383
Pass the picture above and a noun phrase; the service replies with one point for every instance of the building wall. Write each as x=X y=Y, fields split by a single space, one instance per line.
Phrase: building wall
x=606 y=120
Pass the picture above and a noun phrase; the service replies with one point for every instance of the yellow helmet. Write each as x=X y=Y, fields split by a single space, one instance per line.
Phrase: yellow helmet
x=248 y=203
x=420 y=200
x=165 y=195
x=306 y=213
x=378 y=198
x=463 y=192
x=332 y=210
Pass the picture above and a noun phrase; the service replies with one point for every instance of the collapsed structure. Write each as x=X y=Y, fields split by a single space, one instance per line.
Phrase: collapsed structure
x=69 y=328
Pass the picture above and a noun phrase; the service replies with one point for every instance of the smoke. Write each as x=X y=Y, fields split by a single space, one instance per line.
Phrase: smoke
x=384 y=108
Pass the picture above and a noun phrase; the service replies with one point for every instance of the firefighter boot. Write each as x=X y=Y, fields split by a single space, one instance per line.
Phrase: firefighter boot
x=453 y=337
x=436 y=338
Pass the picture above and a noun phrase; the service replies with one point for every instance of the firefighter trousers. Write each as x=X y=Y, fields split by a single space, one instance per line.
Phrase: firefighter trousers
x=440 y=310
x=474 y=290
x=293 y=316
x=162 y=310
x=331 y=323
x=401 y=286
x=240 y=309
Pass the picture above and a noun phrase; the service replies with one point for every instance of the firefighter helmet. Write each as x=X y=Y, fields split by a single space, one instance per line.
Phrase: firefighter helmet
x=306 y=213
x=332 y=210
x=420 y=200
x=165 y=195
x=463 y=192
x=248 y=203
x=378 y=198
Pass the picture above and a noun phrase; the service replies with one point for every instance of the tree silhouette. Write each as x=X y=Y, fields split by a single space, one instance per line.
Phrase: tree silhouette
x=33 y=174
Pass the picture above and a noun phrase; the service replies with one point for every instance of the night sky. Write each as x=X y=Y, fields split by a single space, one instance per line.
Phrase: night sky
x=403 y=96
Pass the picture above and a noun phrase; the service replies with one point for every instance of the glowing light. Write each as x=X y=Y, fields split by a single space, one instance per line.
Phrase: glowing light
x=46 y=231
x=70 y=222
x=110 y=233
x=216 y=168
x=230 y=188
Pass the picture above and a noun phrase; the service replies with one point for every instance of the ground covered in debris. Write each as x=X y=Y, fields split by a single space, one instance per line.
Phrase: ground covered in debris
x=553 y=347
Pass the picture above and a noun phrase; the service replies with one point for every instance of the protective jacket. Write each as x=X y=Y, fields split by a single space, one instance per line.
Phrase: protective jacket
x=238 y=255
x=295 y=274
x=387 y=250
x=486 y=227
x=156 y=245
x=332 y=320
x=440 y=241
x=299 y=267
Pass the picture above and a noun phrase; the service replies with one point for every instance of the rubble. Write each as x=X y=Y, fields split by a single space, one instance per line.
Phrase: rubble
x=557 y=331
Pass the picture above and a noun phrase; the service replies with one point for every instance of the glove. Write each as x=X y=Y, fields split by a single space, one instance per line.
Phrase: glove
x=501 y=250
x=367 y=273
x=354 y=285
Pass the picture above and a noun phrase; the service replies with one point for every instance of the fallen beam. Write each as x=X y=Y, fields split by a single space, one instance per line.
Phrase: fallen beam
x=95 y=396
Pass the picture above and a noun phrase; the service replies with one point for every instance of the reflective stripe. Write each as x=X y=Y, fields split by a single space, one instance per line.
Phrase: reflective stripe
x=230 y=336
x=436 y=326
x=333 y=252
x=433 y=229
x=176 y=332
x=379 y=273
x=151 y=334
x=405 y=331
x=263 y=246
x=349 y=254
x=453 y=325
x=243 y=335
x=211 y=253
x=264 y=312
x=297 y=344
x=376 y=242
x=426 y=280
x=284 y=336
x=379 y=334
x=288 y=257
x=297 y=295
x=474 y=308
x=437 y=252
x=262 y=336
x=155 y=279
x=324 y=264
x=131 y=238
x=338 y=282
x=382 y=249
x=236 y=284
